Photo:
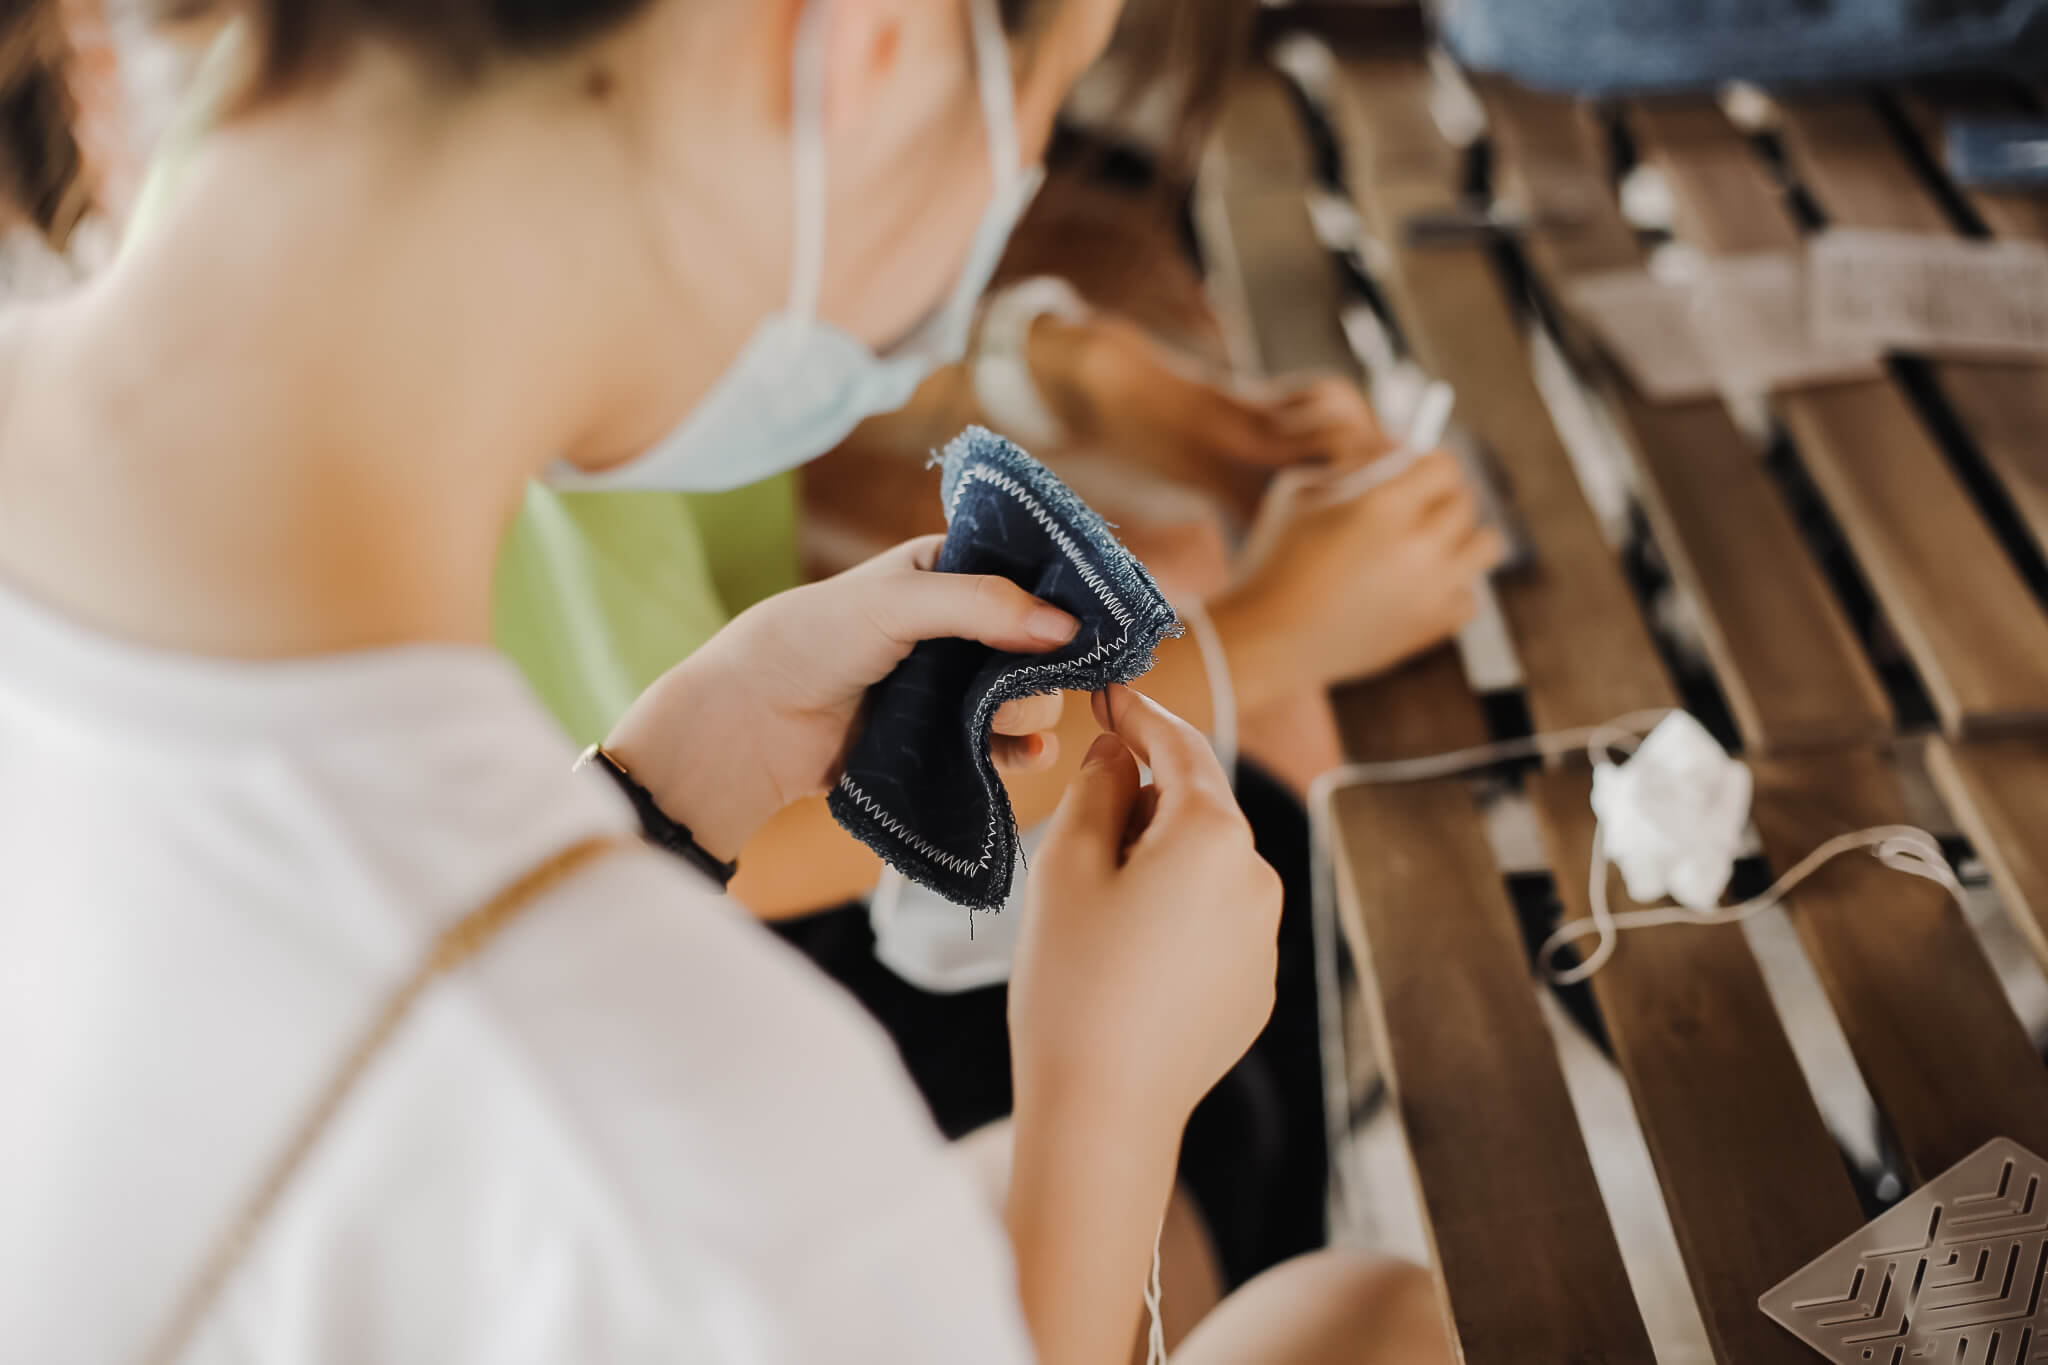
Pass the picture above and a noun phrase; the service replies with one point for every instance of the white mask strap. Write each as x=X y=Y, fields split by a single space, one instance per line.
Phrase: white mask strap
x=807 y=134
x=807 y=146
x=998 y=92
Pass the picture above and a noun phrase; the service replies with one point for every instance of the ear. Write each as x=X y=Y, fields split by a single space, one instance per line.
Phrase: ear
x=863 y=50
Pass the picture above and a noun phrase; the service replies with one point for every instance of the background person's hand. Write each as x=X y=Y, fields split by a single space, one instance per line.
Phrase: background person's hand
x=761 y=715
x=1147 y=958
x=1128 y=394
x=1338 y=590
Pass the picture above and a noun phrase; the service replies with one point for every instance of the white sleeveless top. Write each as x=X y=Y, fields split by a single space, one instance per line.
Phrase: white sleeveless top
x=638 y=1129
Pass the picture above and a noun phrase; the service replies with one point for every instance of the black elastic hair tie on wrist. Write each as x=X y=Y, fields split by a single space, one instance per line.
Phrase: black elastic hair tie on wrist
x=919 y=787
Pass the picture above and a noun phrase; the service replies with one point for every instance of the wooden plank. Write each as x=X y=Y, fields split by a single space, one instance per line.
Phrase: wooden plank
x=2004 y=407
x=1453 y=1086
x=1524 y=1247
x=1549 y=158
x=1724 y=200
x=1789 y=664
x=1785 y=655
x=1974 y=631
x=1259 y=142
x=1998 y=791
x=1860 y=176
x=1423 y=707
x=1948 y=1062
x=2018 y=214
x=1280 y=293
x=1585 y=653
x=1754 y=1182
x=1850 y=161
x=1976 y=635
x=1275 y=286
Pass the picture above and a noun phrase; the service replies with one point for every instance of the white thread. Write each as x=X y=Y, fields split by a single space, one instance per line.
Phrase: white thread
x=1155 y=1333
x=1902 y=848
x=951 y=862
x=807 y=161
x=1222 y=692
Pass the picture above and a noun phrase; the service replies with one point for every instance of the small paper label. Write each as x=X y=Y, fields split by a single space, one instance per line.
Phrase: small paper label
x=1646 y=326
x=1915 y=292
x=1737 y=327
x=1751 y=315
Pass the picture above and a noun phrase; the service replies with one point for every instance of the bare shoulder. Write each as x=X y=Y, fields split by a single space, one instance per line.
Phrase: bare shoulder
x=17 y=324
x=20 y=324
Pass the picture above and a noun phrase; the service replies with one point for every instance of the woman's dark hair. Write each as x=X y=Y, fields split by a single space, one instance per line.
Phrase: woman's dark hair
x=41 y=166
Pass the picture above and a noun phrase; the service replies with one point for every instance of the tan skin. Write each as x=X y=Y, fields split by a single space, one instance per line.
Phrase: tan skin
x=297 y=420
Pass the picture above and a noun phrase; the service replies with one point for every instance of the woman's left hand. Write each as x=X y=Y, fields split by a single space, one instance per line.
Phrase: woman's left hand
x=761 y=716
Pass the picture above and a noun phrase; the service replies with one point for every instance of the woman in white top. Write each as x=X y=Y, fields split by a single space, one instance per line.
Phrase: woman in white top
x=255 y=758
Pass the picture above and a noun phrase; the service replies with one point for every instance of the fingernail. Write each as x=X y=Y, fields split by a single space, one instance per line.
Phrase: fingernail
x=1051 y=625
x=1102 y=750
x=1108 y=709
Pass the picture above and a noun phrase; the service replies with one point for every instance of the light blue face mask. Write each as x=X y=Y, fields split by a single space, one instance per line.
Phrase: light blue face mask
x=801 y=384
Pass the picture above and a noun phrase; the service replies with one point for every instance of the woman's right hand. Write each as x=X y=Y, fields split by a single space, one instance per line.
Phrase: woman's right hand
x=1336 y=590
x=1146 y=963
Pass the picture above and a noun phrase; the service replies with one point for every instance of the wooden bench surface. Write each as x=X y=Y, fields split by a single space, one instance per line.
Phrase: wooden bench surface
x=1278 y=291
x=1524 y=1247
x=1735 y=1135
x=1976 y=635
x=1852 y=163
x=1787 y=660
x=1585 y=653
x=1944 y=1055
x=1462 y=1089
x=1755 y=1185
x=1998 y=790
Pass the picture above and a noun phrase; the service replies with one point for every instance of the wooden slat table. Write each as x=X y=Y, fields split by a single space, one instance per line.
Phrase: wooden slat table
x=1275 y=288
x=1496 y=1089
x=1787 y=659
x=1754 y=1184
x=1860 y=176
x=1584 y=651
x=1977 y=636
x=1721 y=1098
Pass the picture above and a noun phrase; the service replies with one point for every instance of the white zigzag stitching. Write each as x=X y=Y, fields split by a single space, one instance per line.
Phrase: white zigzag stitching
x=1121 y=613
x=950 y=861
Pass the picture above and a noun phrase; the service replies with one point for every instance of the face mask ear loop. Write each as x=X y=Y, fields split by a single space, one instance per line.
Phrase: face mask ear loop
x=807 y=148
x=998 y=94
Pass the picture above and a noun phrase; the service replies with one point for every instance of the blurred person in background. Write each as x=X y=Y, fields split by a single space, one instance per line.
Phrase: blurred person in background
x=257 y=760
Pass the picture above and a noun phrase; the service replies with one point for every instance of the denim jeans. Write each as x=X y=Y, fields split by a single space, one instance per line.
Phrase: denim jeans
x=1607 y=47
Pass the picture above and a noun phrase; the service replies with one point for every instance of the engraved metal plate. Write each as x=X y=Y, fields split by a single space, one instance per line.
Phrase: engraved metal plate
x=1956 y=1273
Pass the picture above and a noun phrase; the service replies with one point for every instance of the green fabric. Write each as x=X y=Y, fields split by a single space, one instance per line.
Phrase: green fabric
x=597 y=594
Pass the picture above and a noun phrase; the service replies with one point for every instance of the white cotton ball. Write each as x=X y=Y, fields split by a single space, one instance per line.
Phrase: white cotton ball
x=1672 y=817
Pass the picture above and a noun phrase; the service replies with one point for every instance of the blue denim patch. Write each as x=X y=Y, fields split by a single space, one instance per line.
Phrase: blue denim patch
x=1609 y=47
x=919 y=787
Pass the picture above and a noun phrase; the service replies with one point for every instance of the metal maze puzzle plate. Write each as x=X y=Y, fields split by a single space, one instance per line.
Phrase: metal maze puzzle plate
x=1954 y=1273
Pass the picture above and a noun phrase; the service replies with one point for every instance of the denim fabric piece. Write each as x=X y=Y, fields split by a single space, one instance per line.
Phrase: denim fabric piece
x=1610 y=47
x=919 y=787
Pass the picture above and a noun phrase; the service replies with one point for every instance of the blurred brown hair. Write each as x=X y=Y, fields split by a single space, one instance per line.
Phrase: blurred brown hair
x=41 y=164
x=1192 y=43
x=1191 y=48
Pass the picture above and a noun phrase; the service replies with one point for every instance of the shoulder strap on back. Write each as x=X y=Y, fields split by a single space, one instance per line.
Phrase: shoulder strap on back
x=458 y=945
